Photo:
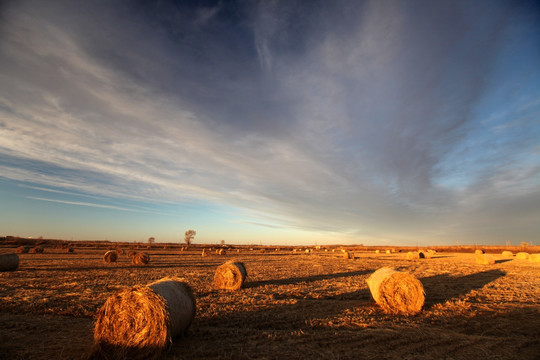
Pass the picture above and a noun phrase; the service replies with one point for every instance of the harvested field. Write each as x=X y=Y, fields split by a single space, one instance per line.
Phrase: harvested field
x=293 y=305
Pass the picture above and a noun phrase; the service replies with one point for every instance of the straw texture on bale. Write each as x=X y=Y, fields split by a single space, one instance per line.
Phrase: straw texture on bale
x=534 y=257
x=22 y=250
x=230 y=276
x=9 y=262
x=140 y=258
x=522 y=255
x=411 y=255
x=396 y=292
x=110 y=256
x=507 y=254
x=484 y=259
x=36 y=250
x=140 y=322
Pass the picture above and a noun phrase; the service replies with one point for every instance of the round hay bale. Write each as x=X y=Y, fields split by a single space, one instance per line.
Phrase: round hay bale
x=230 y=276
x=119 y=251
x=377 y=251
x=396 y=292
x=522 y=255
x=204 y=253
x=484 y=259
x=534 y=258
x=388 y=252
x=36 y=250
x=140 y=258
x=69 y=249
x=130 y=253
x=412 y=255
x=110 y=256
x=507 y=254
x=140 y=322
x=222 y=252
x=9 y=262
x=478 y=251
x=22 y=250
x=348 y=255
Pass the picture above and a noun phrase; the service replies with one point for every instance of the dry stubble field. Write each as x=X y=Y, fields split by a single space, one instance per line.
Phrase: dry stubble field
x=294 y=306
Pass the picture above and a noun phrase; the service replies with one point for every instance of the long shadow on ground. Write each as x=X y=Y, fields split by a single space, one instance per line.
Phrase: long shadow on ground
x=297 y=280
x=440 y=288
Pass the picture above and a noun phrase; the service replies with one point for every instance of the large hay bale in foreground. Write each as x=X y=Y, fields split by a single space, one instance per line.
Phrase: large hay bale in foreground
x=9 y=262
x=507 y=254
x=140 y=322
x=22 y=250
x=140 y=258
x=484 y=259
x=230 y=276
x=411 y=255
x=110 y=256
x=396 y=292
x=522 y=255
x=534 y=257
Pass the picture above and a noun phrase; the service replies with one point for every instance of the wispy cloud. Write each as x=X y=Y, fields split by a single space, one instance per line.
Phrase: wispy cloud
x=78 y=203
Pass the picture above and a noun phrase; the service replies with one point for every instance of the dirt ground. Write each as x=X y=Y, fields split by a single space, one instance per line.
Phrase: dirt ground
x=294 y=306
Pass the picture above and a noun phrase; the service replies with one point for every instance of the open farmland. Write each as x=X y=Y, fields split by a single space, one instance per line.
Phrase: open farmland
x=294 y=306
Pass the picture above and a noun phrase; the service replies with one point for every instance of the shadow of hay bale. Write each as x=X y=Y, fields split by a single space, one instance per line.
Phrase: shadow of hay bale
x=441 y=288
x=297 y=280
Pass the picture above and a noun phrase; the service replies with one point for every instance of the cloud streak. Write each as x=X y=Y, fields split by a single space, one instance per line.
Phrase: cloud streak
x=376 y=120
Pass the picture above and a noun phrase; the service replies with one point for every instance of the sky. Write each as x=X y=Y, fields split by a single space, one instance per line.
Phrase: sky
x=271 y=122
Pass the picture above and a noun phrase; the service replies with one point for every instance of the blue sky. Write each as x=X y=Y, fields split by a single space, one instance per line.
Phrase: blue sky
x=273 y=122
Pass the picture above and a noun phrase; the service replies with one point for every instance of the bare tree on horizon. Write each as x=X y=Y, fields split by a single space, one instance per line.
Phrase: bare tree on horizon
x=189 y=235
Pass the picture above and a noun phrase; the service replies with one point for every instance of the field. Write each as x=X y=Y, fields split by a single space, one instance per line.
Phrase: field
x=294 y=306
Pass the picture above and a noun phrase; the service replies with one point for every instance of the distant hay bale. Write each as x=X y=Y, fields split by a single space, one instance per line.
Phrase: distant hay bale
x=119 y=251
x=507 y=254
x=424 y=254
x=348 y=255
x=412 y=255
x=9 y=262
x=37 y=250
x=478 y=251
x=22 y=250
x=140 y=322
x=377 y=251
x=140 y=258
x=204 y=253
x=388 y=252
x=484 y=259
x=230 y=276
x=110 y=256
x=431 y=252
x=396 y=292
x=534 y=257
x=522 y=255
x=69 y=249
x=222 y=252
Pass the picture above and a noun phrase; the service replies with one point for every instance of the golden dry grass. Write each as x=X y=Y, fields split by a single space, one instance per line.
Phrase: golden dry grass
x=293 y=305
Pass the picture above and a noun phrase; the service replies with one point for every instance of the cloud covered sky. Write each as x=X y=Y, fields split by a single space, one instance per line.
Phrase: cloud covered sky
x=403 y=122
